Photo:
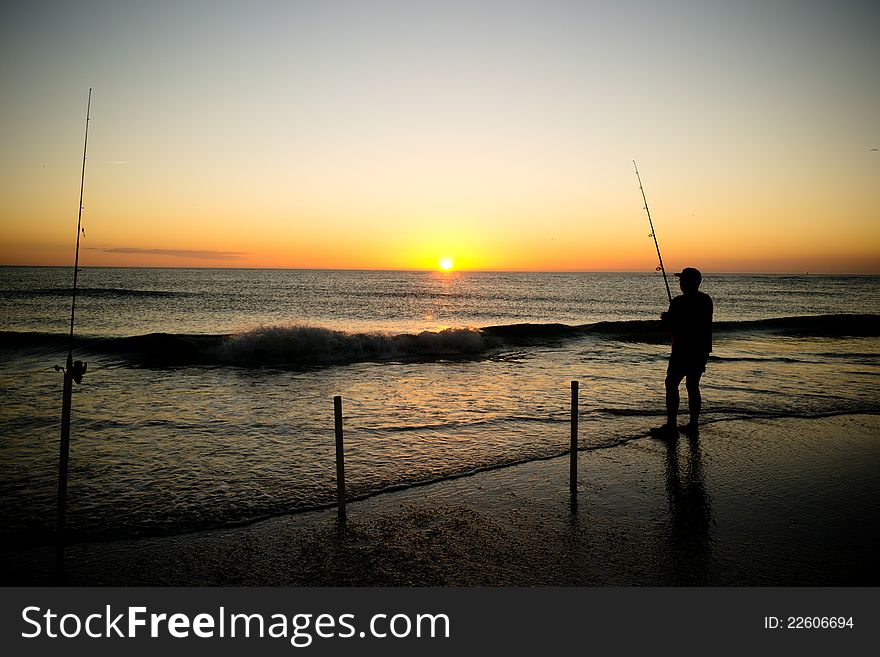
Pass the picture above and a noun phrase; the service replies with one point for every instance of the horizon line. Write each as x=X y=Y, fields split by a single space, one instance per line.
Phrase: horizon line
x=454 y=271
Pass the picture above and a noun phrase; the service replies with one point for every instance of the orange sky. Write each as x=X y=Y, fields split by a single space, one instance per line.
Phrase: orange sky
x=335 y=137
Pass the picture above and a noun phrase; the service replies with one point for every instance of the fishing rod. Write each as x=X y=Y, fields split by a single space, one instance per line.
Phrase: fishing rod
x=73 y=371
x=82 y=182
x=653 y=233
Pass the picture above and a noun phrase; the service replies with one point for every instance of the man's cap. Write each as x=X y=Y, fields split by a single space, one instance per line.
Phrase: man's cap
x=690 y=273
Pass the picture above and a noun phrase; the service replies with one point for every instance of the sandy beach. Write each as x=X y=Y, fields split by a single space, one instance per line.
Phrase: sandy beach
x=759 y=502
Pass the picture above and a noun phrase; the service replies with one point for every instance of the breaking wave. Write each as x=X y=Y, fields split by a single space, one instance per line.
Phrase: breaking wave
x=652 y=331
x=311 y=344
x=299 y=345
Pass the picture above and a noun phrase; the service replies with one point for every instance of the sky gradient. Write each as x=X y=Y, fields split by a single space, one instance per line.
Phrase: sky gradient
x=390 y=135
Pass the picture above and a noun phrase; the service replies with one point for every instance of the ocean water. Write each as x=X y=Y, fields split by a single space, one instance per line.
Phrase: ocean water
x=208 y=399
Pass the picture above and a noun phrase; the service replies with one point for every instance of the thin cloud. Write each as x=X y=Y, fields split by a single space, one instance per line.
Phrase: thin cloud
x=180 y=253
x=120 y=162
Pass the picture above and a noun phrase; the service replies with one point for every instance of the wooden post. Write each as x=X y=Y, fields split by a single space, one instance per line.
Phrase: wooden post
x=340 y=459
x=63 y=465
x=574 y=441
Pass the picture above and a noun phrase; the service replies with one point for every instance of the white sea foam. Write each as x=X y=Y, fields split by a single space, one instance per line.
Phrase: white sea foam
x=314 y=344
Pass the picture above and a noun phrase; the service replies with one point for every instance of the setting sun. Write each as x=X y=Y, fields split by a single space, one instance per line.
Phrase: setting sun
x=446 y=264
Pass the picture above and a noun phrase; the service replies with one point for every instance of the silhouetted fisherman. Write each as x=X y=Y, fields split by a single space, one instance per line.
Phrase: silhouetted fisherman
x=689 y=319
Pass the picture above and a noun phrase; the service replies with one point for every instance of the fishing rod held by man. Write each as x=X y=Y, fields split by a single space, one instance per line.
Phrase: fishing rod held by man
x=660 y=268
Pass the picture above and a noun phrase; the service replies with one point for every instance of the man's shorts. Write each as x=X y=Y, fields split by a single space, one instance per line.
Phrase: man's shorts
x=682 y=365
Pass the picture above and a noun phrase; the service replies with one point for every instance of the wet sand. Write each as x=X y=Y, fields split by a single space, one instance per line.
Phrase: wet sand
x=759 y=502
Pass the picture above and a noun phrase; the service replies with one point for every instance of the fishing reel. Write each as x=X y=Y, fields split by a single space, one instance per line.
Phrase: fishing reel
x=76 y=371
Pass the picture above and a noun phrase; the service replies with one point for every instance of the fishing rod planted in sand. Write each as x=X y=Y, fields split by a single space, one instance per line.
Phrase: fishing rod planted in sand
x=653 y=233
x=73 y=371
